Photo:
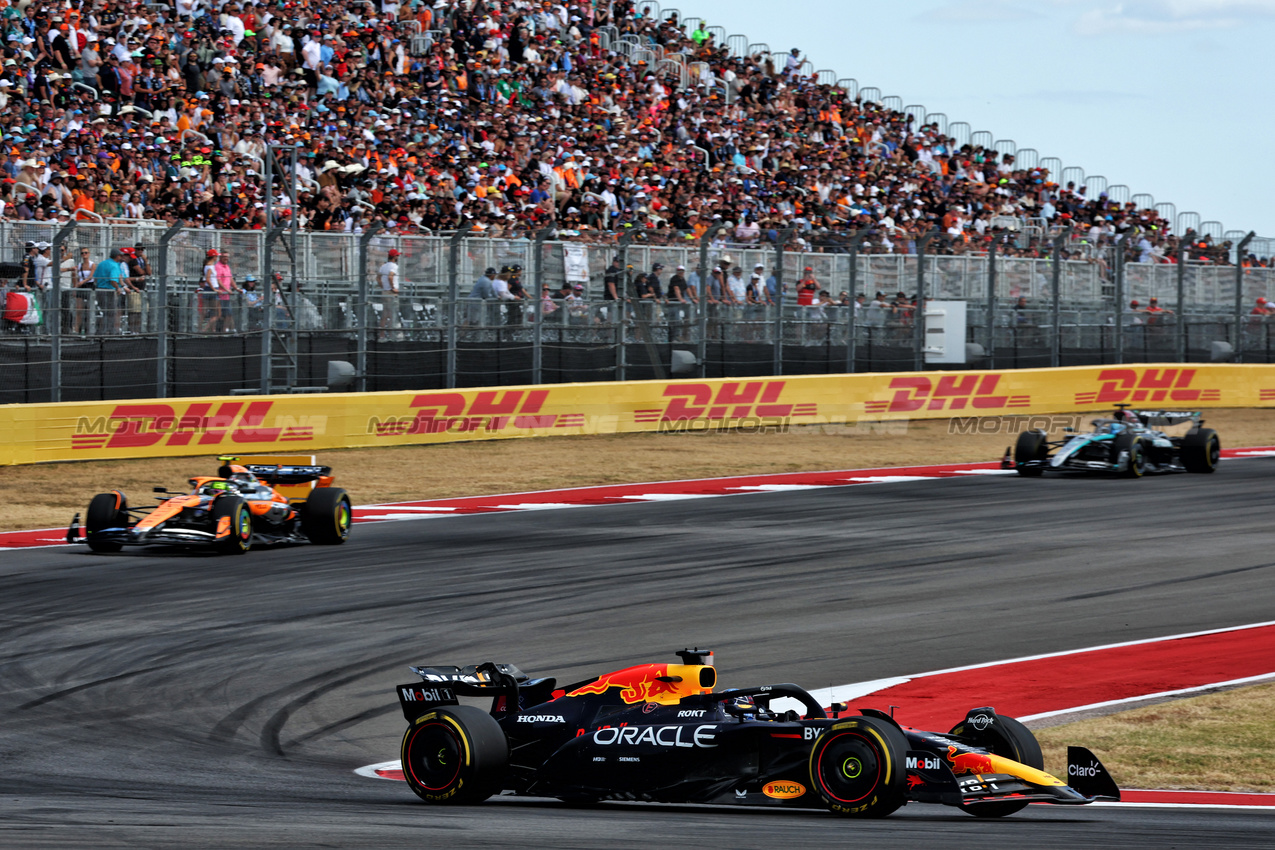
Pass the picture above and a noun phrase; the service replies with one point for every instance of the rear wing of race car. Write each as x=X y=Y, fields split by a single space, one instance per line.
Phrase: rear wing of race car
x=442 y=685
x=280 y=475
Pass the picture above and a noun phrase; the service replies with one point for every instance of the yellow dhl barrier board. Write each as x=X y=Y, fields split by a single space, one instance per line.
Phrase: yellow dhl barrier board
x=306 y=423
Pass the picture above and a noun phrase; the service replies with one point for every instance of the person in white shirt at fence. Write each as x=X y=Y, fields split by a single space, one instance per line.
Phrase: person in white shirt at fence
x=388 y=275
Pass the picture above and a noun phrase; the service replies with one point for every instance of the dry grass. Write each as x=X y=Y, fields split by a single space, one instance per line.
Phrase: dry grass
x=1218 y=742
x=46 y=495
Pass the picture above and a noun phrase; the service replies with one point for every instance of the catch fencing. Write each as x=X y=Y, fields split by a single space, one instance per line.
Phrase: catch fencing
x=173 y=340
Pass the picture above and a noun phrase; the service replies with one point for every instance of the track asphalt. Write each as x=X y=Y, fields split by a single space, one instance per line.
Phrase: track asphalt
x=161 y=700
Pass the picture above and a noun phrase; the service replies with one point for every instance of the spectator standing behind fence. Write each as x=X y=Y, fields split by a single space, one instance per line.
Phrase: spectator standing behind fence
x=139 y=277
x=388 y=276
x=1155 y=312
x=513 y=312
x=83 y=286
x=41 y=265
x=807 y=287
x=109 y=281
x=680 y=297
x=225 y=291
x=254 y=300
x=208 y=308
x=26 y=273
x=482 y=291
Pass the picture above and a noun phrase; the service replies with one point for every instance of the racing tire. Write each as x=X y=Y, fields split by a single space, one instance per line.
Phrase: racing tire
x=1137 y=454
x=455 y=756
x=1031 y=445
x=326 y=515
x=1201 y=450
x=1009 y=739
x=857 y=767
x=106 y=510
x=240 y=539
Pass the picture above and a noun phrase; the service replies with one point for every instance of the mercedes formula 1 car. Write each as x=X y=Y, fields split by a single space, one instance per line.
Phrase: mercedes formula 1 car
x=660 y=732
x=1129 y=442
x=241 y=506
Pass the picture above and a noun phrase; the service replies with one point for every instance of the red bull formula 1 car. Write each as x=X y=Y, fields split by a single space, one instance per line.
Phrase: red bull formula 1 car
x=660 y=732
x=228 y=513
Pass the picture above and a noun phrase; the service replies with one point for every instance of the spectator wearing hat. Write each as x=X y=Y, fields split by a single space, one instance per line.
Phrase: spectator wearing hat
x=682 y=301
x=111 y=283
x=387 y=275
x=1262 y=307
x=209 y=307
x=27 y=275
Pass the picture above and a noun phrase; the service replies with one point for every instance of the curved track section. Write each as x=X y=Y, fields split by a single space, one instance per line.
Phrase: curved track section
x=163 y=700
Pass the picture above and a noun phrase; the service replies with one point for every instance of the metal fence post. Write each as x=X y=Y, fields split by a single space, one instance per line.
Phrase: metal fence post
x=918 y=315
x=622 y=300
x=453 y=270
x=53 y=310
x=777 y=364
x=1119 y=269
x=1183 y=244
x=161 y=313
x=991 y=304
x=856 y=239
x=537 y=275
x=704 y=241
x=1239 y=296
x=1055 y=353
x=361 y=310
x=267 y=330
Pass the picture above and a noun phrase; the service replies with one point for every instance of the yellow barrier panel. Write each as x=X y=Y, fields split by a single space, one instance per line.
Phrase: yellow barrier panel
x=307 y=423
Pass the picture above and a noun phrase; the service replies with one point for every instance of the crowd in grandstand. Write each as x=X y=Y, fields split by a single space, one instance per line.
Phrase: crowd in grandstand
x=516 y=117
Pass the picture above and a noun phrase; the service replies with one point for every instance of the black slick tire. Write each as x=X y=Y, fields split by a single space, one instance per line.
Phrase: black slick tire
x=239 y=540
x=106 y=510
x=455 y=755
x=857 y=767
x=1137 y=454
x=1009 y=739
x=1201 y=450
x=1031 y=445
x=326 y=516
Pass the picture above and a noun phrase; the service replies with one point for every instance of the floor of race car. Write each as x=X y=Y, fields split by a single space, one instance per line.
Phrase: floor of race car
x=161 y=701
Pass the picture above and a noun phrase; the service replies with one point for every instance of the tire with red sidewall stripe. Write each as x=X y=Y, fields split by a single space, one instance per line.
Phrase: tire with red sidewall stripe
x=455 y=755
x=857 y=767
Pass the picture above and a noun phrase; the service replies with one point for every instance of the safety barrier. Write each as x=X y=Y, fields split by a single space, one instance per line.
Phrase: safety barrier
x=193 y=426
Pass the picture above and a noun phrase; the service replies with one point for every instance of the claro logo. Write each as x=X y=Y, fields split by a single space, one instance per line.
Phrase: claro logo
x=950 y=392
x=732 y=400
x=133 y=426
x=495 y=410
x=1138 y=385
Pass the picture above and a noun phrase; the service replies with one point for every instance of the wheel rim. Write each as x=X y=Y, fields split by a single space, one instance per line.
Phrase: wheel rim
x=434 y=756
x=1215 y=451
x=343 y=518
x=1137 y=460
x=245 y=527
x=849 y=767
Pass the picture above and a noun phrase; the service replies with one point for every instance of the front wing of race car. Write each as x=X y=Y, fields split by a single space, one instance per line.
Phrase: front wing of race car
x=930 y=779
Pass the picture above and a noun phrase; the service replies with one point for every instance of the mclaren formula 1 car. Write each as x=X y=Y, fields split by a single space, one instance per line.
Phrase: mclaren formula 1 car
x=1129 y=442
x=660 y=732
x=241 y=506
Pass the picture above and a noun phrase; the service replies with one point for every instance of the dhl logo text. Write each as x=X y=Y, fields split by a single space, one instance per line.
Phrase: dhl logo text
x=950 y=392
x=495 y=410
x=1139 y=385
x=732 y=400
x=199 y=423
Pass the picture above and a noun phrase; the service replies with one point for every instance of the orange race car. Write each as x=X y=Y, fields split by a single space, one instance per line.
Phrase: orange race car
x=242 y=505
